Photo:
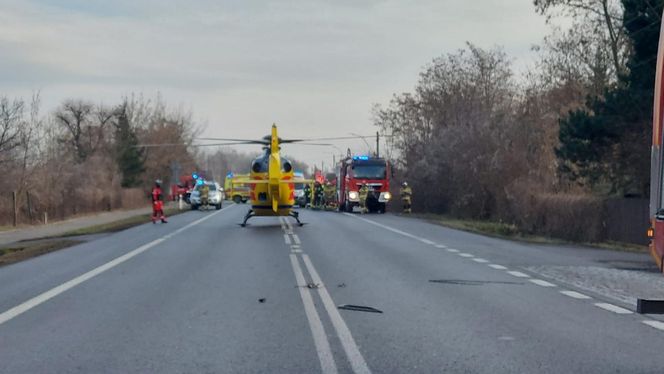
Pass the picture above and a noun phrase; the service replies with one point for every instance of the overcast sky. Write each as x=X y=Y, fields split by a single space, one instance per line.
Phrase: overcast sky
x=313 y=67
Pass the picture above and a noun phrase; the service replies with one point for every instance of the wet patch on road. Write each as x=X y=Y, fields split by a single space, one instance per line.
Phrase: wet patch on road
x=463 y=282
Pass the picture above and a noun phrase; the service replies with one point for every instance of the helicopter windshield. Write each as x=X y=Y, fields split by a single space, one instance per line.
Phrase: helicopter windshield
x=369 y=171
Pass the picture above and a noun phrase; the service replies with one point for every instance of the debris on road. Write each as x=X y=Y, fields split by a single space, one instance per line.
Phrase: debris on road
x=261 y=300
x=359 y=308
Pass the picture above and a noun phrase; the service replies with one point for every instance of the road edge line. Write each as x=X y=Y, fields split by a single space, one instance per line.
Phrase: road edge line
x=57 y=290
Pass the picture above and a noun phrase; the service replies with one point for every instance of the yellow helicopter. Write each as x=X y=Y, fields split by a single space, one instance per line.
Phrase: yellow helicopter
x=272 y=182
x=272 y=179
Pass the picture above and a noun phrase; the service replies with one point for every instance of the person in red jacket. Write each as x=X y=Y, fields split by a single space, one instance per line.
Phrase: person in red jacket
x=157 y=203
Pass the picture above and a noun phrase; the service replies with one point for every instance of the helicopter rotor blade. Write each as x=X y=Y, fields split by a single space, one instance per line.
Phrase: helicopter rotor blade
x=157 y=145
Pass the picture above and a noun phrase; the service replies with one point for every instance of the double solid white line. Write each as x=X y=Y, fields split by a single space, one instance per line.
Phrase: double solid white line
x=328 y=366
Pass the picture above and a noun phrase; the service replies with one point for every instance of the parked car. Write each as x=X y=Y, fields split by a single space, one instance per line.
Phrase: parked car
x=215 y=195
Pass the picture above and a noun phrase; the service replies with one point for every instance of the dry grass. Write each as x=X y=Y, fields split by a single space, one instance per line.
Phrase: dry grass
x=29 y=249
x=508 y=231
x=25 y=250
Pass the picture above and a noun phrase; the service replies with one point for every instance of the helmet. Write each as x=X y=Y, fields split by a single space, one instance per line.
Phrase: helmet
x=157 y=182
x=405 y=184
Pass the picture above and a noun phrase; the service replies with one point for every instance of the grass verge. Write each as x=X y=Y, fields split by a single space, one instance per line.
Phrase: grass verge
x=27 y=249
x=116 y=226
x=23 y=251
x=509 y=231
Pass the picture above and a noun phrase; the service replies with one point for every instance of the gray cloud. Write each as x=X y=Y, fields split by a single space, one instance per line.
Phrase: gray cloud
x=313 y=66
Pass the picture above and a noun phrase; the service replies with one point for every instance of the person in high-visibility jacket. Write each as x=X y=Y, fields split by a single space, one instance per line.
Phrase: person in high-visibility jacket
x=157 y=203
x=205 y=192
x=318 y=195
x=406 y=194
x=364 y=193
x=330 y=194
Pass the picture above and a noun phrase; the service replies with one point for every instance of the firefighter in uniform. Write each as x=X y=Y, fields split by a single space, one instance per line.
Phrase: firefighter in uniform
x=406 y=194
x=318 y=195
x=364 y=193
x=157 y=203
x=307 y=194
x=330 y=192
x=205 y=191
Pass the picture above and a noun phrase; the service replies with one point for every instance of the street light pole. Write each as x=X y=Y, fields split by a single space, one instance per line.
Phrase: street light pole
x=377 y=144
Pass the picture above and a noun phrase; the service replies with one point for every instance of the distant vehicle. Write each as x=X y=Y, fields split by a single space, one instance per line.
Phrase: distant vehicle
x=300 y=198
x=183 y=188
x=215 y=195
x=353 y=172
x=235 y=190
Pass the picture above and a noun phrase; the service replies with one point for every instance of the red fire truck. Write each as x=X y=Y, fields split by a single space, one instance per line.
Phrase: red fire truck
x=656 y=231
x=353 y=172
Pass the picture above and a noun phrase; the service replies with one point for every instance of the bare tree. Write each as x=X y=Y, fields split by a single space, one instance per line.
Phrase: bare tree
x=601 y=20
x=11 y=119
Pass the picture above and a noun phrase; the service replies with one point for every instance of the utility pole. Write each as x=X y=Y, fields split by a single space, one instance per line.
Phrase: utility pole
x=377 y=145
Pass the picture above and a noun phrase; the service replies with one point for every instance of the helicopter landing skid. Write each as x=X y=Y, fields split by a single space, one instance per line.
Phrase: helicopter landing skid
x=296 y=215
x=249 y=214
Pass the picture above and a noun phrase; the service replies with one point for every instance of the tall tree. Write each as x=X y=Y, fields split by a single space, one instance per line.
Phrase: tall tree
x=607 y=144
x=129 y=157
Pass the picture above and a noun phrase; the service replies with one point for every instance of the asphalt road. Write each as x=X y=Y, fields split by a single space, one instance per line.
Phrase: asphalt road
x=201 y=294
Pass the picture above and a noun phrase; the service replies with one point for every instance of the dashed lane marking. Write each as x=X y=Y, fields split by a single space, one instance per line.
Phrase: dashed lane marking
x=427 y=241
x=467 y=255
x=287 y=239
x=613 y=308
x=480 y=260
x=497 y=267
x=542 y=283
x=296 y=239
x=53 y=292
x=452 y=250
x=441 y=246
x=518 y=274
x=575 y=295
x=656 y=324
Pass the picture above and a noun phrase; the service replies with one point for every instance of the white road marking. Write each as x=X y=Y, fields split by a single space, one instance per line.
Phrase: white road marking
x=288 y=224
x=383 y=226
x=343 y=333
x=296 y=239
x=576 y=295
x=497 y=267
x=480 y=260
x=287 y=239
x=613 y=308
x=452 y=250
x=542 y=283
x=468 y=255
x=518 y=274
x=441 y=246
x=53 y=292
x=427 y=241
x=317 y=330
x=656 y=324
